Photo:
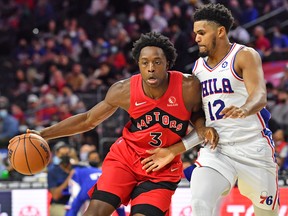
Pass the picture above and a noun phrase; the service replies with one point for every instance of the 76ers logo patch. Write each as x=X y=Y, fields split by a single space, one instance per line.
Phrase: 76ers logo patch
x=172 y=101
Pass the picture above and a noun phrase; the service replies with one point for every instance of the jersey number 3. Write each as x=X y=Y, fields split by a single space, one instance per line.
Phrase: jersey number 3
x=156 y=141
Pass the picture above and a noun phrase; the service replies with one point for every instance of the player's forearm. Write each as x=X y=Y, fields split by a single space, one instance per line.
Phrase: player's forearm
x=56 y=192
x=198 y=120
x=255 y=103
x=177 y=148
x=70 y=126
x=189 y=141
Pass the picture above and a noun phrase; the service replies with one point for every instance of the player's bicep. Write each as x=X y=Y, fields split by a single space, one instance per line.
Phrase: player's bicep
x=251 y=66
x=192 y=93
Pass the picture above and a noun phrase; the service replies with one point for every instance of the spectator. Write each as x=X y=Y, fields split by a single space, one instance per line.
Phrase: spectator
x=9 y=125
x=82 y=180
x=250 y=12
x=51 y=31
x=69 y=49
x=31 y=111
x=180 y=40
x=239 y=34
x=280 y=110
x=76 y=78
x=281 y=149
x=22 y=52
x=101 y=49
x=70 y=98
x=50 y=50
x=47 y=112
x=104 y=75
x=86 y=45
x=236 y=9
x=43 y=12
x=272 y=93
x=279 y=44
x=63 y=112
x=18 y=113
x=59 y=174
x=284 y=79
x=57 y=79
x=113 y=29
x=158 y=23
x=12 y=174
x=84 y=151
x=262 y=43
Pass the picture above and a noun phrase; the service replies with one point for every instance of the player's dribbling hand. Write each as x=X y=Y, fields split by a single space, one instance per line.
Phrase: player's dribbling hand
x=33 y=131
x=158 y=159
x=21 y=135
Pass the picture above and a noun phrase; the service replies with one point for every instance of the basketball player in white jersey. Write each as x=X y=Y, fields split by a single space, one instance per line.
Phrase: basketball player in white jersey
x=234 y=99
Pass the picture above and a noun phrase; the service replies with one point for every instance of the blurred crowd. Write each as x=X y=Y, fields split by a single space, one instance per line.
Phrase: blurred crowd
x=55 y=53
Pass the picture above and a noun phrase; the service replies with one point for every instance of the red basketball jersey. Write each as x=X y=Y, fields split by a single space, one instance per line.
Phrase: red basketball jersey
x=156 y=123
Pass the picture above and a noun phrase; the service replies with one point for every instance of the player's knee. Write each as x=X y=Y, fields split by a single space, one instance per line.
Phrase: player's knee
x=263 y=212
x=201 y=207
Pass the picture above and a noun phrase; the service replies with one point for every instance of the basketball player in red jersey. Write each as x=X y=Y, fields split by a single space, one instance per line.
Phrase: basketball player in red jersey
x=160 y=104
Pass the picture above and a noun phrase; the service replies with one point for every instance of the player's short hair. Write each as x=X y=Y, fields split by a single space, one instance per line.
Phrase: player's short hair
x=158 y=40
x=217 y=13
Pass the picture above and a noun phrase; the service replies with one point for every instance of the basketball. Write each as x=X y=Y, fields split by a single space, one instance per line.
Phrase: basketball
x=28 y=153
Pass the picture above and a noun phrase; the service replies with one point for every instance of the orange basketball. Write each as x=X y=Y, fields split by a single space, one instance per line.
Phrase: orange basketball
x=29 y=153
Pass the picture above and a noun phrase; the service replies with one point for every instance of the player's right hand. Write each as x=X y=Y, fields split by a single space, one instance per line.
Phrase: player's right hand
x=27 y=131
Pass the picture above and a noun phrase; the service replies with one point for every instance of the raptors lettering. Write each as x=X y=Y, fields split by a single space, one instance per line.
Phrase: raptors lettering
x=161 y=117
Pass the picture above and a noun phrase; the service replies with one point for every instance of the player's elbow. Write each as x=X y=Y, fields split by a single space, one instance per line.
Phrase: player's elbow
x=263 y=100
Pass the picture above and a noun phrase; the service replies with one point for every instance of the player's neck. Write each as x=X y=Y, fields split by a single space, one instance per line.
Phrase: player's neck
x=219 y=54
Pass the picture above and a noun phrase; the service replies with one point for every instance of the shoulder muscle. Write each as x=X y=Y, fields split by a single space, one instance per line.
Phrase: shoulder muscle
x=191 y=92
x=119 y=94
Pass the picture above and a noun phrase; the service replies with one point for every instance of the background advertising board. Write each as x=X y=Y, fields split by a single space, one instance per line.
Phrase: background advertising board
x=29 y=202
x=5 y=203
x=34 y=202
x=233 y=205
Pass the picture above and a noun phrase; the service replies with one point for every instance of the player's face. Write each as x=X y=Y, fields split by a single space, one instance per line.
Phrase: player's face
x=205 y=37
x=153 y=66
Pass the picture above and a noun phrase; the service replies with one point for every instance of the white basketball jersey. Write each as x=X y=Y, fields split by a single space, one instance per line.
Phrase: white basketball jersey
x=222 y=87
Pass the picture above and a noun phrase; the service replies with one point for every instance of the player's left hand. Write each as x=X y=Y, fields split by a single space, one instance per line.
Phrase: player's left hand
x=210 y=135
x=234 y=112
x=158 y=159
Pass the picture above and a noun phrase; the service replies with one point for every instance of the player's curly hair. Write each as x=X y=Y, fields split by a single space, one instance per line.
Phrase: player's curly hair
x=158 y=40
x=217 y=13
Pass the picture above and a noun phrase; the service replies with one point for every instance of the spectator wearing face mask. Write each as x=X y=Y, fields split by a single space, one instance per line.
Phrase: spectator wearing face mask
x=9 y=126
x=59 y=174
x=280 y=111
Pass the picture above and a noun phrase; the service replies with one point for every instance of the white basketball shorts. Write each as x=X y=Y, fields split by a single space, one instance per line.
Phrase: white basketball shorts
x=252 y=165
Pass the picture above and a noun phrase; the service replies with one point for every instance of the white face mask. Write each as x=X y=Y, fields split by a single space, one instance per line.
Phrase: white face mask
x=56 y=160
x=3 y=113
x=84 y=156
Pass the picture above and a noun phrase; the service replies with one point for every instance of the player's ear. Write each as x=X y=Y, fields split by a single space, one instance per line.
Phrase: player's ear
x=168 y=65
x=221 y=31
